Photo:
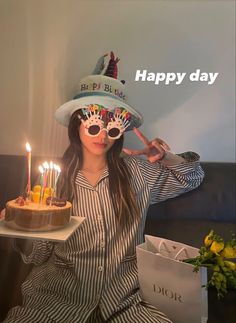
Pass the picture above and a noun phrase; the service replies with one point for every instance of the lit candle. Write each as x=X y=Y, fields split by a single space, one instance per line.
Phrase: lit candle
x=50 y=174
x=28 y=150
x=55 y=175
x=58 y=171
x=45 y=175
x=41 y=184
x=58 y=174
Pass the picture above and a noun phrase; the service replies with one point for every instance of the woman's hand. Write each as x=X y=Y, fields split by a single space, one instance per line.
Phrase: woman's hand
x=155 y=149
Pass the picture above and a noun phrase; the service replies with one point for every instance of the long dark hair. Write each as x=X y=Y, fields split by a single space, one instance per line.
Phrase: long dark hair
x=121 y=192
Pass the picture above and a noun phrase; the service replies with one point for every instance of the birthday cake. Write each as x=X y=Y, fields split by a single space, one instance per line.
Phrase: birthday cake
x=39 y=209
x=31 y=216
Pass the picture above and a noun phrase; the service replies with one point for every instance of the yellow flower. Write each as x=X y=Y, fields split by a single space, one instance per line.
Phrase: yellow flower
x=229 y=252
x=230 y=264
x=208 y=239
x=216 y=247
x=212 y=255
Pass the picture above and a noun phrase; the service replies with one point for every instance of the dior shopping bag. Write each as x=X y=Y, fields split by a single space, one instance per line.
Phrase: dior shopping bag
x=170 y=284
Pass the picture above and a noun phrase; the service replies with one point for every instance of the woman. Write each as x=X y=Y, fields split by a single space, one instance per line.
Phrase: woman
x=92 y=277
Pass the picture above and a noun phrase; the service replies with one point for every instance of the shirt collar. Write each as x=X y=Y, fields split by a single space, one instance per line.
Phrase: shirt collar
x=82 y=181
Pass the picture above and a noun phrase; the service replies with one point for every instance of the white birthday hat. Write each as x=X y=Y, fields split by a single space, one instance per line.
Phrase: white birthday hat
x=100 y=89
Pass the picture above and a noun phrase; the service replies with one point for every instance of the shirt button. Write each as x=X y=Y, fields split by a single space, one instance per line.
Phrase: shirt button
x=102 y=244
x=100 y=268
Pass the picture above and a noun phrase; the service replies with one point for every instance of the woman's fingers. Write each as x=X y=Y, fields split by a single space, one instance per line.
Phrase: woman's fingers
x=154 y=150
x=147 y=142
x=141 y=136
x=162 y=145
x=158 y=146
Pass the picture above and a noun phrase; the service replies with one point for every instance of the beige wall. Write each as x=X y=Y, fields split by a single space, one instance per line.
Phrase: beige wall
x=47 y=46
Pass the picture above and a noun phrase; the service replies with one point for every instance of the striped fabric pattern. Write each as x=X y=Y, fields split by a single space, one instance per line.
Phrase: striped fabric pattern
x=92 y=277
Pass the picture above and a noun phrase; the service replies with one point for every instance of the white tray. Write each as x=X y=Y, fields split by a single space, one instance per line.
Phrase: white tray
x=55 y=235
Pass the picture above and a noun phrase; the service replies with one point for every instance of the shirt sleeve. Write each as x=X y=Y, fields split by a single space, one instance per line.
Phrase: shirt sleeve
x=166 y=182
x=40 y=253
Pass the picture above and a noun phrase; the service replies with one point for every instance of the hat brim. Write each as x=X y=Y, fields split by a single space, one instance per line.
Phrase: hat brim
x=64 y=112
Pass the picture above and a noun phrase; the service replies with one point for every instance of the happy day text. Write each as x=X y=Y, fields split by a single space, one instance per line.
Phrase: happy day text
x=175 y=78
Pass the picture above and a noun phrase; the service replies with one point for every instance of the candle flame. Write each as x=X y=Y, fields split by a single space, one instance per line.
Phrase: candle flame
x=57 y=168
x=41 y=169
x=28 y=148
x=46 y=165
x=51 y=165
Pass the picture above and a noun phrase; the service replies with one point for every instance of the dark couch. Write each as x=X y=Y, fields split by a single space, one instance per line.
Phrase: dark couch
x=187 y=218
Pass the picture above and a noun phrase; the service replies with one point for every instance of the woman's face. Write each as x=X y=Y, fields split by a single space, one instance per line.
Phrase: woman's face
x=98 y=145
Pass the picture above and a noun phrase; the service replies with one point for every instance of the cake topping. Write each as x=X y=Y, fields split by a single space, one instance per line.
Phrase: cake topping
x=55 y=201
x=21 y=201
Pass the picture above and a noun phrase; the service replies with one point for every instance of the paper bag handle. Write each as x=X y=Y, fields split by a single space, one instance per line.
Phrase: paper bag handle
x=180 y=251
x=183 y=249
x=162 y=242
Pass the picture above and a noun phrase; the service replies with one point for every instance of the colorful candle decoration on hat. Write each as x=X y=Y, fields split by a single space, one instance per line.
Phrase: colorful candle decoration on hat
x=28 y=155
x=103 y=112
x=110 y=114
x=117 y=111
x=128 y=115
x=91 y=108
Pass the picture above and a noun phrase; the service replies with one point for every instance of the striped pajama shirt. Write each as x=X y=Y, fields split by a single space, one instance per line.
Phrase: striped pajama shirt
x=92 y=277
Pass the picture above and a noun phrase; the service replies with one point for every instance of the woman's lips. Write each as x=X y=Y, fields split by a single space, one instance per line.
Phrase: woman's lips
x=100 y=145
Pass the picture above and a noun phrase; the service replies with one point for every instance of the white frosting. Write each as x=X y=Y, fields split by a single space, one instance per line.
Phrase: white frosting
x=102 y=84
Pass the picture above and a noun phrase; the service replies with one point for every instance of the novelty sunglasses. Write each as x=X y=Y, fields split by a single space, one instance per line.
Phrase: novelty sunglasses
x=94 y=124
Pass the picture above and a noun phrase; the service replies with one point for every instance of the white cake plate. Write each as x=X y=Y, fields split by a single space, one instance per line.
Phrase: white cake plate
x=55 y=235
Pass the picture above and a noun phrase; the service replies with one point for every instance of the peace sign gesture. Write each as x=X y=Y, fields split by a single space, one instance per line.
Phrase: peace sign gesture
x=154 y=150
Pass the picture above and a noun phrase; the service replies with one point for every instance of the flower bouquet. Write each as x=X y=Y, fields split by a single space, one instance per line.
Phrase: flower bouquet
x=219 y=256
